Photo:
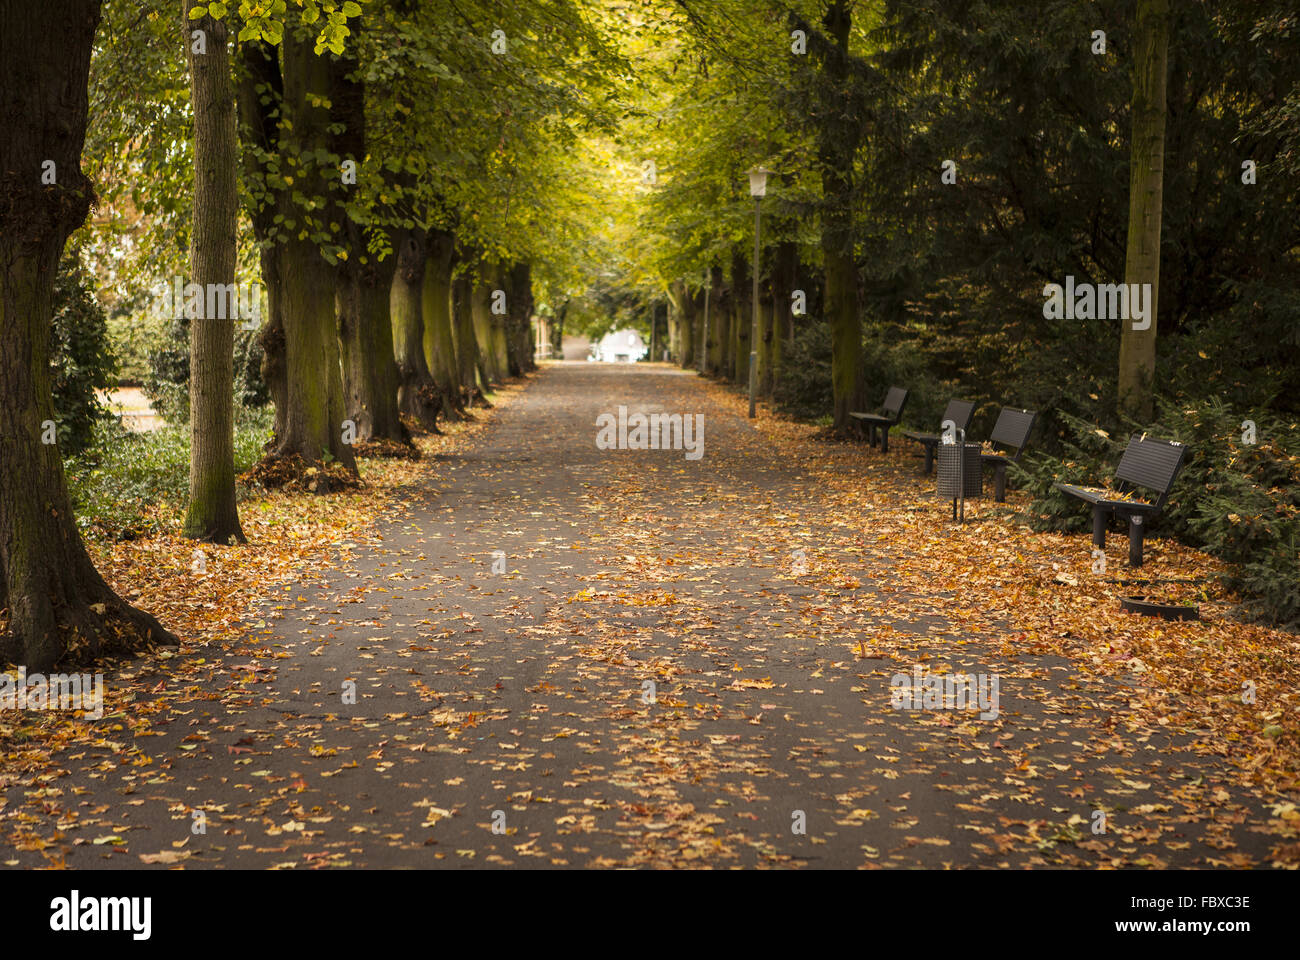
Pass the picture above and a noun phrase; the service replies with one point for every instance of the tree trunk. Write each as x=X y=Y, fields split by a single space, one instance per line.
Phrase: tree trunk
x=837 y=139
x=60 y=609
x=439 y=348
x=1137 y=348
x=767 y=340
x=480 y=313
x=362 y=284
x=557 y=332
x=314 y=406
x=519 y=312
x=212 y=514
x=741 y=319
x=260 y=79
x=720 y=320
x=686 y=325
x=785 y=280
x=495 y=284
x=370 y=377
x=417 y=393
x=467 y=354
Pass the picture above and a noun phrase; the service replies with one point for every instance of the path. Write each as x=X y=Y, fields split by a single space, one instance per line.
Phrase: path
x=522 y=692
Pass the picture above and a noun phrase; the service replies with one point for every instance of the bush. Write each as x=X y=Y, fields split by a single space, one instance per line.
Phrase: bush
x=121 y=480
x=1238 y=501
x=805 y=388
x=81 y=359
x=167 y=383
x=887 y=360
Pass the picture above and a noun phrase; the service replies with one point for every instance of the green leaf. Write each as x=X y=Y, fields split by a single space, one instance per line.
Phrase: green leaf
x=197 y=12
x=351 y=9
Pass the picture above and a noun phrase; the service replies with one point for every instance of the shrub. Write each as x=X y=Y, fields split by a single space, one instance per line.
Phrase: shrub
x=167 y=383
x=119 y=482
x=805 y=389
x=81 y=359
x=1238 y=501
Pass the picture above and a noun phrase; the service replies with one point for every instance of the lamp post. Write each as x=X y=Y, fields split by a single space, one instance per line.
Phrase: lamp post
x=757 y=190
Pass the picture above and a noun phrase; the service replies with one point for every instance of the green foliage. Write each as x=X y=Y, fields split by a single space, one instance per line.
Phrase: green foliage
x=167 y=379
x=167 y=382
x=127 y=485
x=81 y=358
x=1238 y=501
x=806 y=389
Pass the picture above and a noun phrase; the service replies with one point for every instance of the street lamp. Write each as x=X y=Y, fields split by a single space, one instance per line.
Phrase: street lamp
x=757 y=190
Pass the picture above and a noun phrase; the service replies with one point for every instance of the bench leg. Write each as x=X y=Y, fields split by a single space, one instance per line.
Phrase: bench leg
x=1000 y=483
x=1099 y=526
x=929 y=458
x=1135 y=531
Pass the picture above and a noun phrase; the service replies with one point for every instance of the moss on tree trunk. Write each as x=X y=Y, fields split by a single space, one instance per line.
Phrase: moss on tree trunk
x=60 y=609
x=1137 y=348
x=212 y=514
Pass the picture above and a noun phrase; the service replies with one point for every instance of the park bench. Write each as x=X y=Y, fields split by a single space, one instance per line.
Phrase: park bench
x=885 y=417
x=1147 y=464
x=959 y=412
x=1011 y=432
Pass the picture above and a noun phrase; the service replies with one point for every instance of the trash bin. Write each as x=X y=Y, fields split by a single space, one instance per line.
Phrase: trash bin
x=960 y=480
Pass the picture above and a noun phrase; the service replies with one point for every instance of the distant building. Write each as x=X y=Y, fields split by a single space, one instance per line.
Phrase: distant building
x=621 y=346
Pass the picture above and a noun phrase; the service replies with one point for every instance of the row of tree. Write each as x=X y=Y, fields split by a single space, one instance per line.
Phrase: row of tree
x=937 y=166
x=395 y=174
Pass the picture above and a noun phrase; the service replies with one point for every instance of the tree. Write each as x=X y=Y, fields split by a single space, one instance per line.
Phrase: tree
x=60 y=608
x=1137 y=350
x=836 y=145
x=212 y=514
x=312 y=387
x=363 y=276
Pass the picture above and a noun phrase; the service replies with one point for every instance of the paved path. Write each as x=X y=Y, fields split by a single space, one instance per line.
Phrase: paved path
x=512 y=701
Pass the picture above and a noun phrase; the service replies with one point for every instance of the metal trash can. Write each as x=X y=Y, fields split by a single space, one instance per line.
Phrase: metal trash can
x=960 y=480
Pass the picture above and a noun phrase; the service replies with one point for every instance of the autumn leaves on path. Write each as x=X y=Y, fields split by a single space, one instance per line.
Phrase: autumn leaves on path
x=548 y=653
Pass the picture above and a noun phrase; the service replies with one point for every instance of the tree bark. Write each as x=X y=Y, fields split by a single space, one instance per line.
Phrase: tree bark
x=439 y=346
x=362 y=284
x=467 y=354
x=260 y=79
x=519 y=312
x=480 y=313
x=767 y=339
x=212 y=514
x=500 y=340
x=837 y=138
x=720 y=325
x=370 y=376
x=61 y=611
x=785 y=280
x=686 y=325
x=418 y=395
x=314 y=406
x=741 y=319
x=1137 y=348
